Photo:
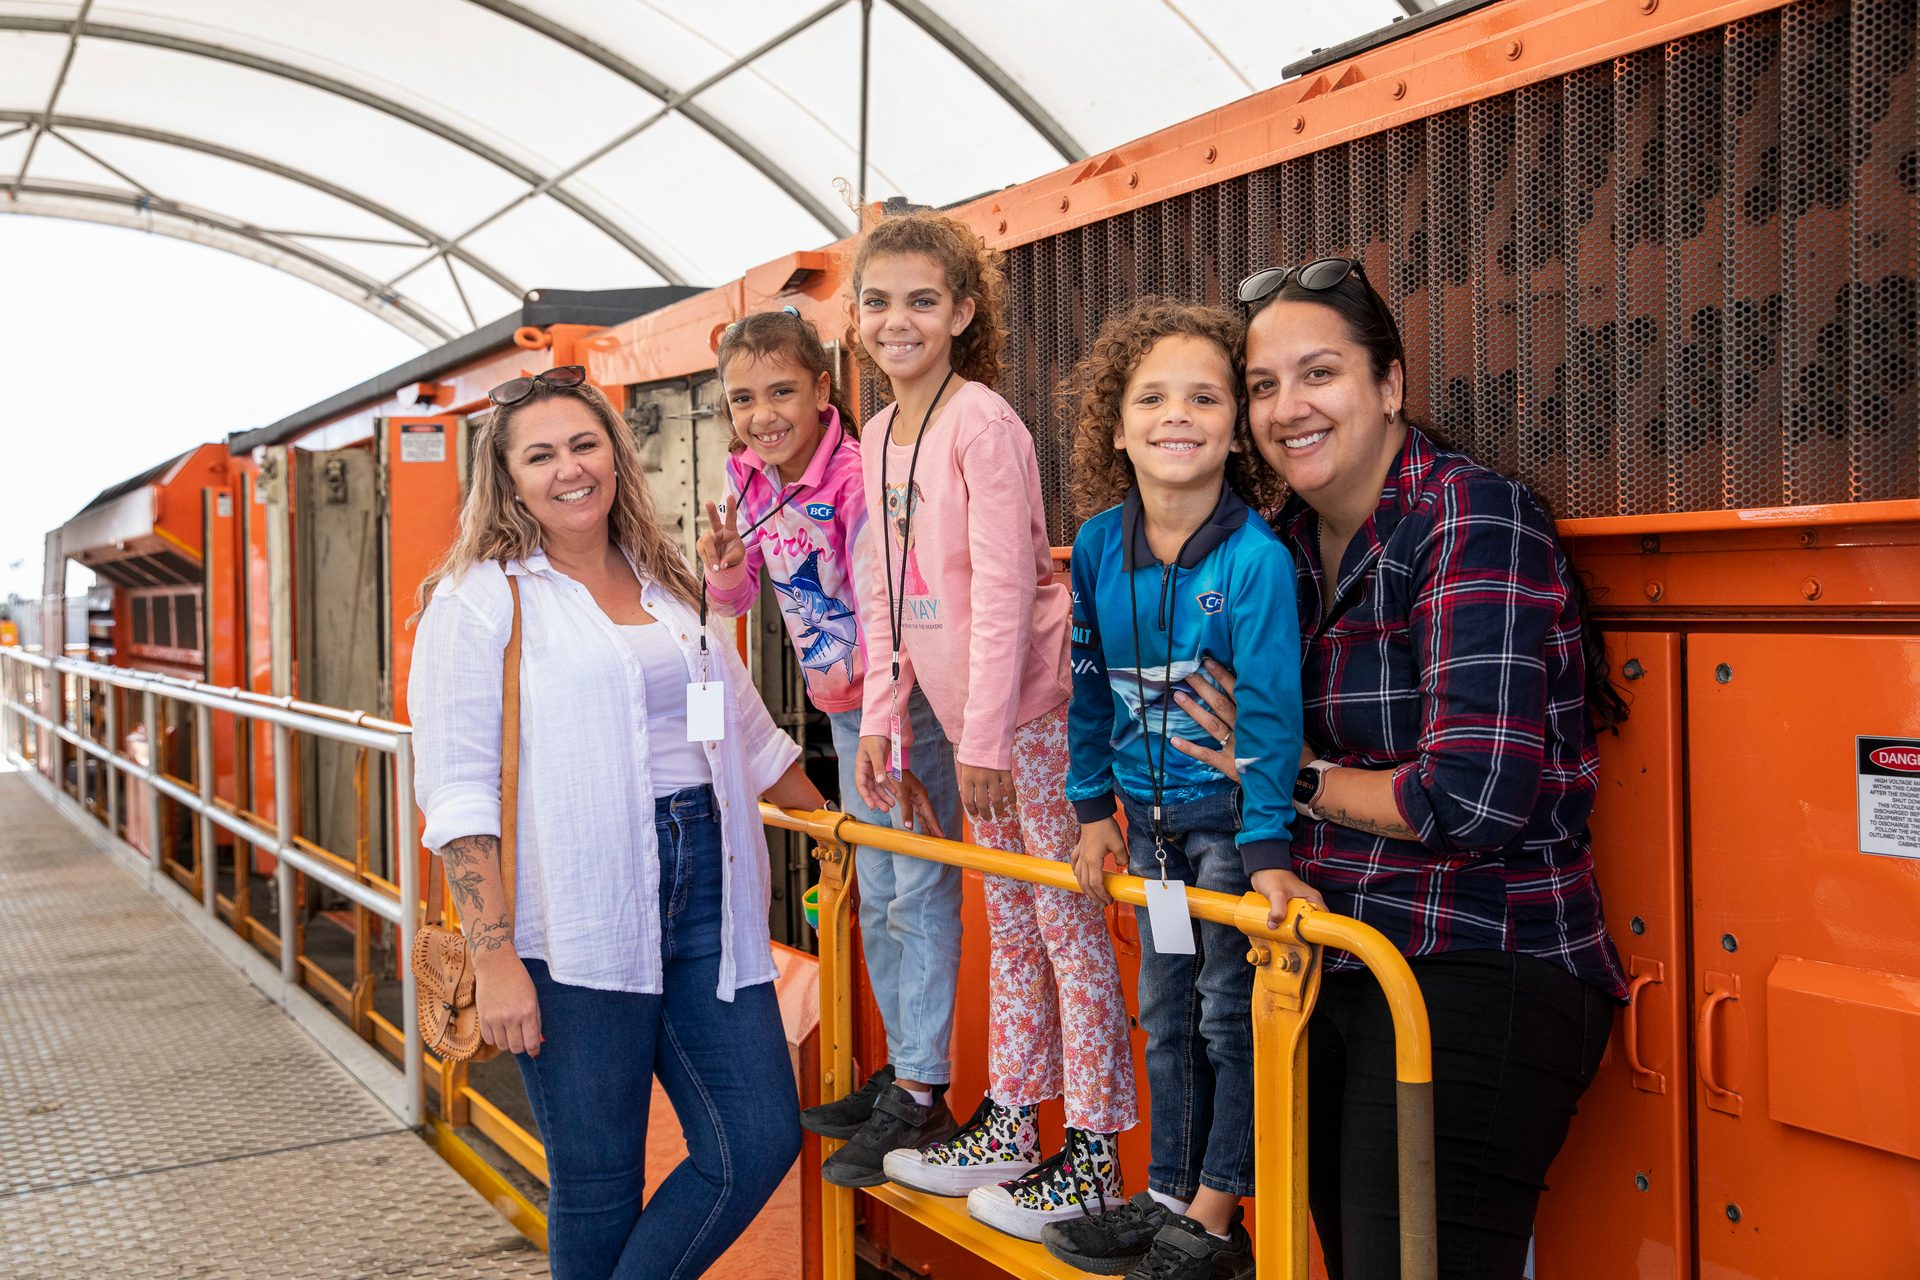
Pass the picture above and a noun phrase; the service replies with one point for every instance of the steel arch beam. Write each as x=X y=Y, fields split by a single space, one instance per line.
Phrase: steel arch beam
x=948 y=37
x=77 y=203
x=835 y=223
x=89 y=124
x=352 y=93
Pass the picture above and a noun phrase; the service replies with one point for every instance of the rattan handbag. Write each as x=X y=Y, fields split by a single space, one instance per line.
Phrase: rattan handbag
x=442 y=962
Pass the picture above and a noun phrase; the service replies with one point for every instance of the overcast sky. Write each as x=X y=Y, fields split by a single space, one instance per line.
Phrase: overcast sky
x=120 y=349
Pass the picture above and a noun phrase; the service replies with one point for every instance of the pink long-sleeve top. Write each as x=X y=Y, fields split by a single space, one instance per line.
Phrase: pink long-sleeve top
x=983 y=623
x=809 y=543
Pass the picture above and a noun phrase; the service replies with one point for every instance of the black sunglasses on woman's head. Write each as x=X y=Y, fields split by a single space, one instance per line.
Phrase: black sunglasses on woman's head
x=514 y=390
x=1319 y=275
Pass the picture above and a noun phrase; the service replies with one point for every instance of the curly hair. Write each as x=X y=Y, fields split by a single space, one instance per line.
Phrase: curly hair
x=783 y=335
x=1093 y=393
x=973 y=271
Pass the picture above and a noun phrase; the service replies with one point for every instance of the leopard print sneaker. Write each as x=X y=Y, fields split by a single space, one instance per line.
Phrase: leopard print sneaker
x=1083 y=1178
x=997 y=1144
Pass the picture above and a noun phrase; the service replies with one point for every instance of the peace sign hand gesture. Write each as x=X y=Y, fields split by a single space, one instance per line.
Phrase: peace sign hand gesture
x=721 y=552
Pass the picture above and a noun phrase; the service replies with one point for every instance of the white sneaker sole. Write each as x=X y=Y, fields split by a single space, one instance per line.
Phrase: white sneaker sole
x=909 y=1170
x=996 y=1208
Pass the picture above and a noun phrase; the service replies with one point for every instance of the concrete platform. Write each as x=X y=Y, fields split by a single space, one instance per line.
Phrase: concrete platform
x=161 y=1119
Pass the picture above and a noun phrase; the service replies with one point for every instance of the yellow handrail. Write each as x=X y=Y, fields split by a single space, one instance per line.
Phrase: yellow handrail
x=1287 y=967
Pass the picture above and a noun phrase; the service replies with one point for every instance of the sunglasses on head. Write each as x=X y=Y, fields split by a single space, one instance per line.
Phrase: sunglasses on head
x=514 y=390
x=1319 y=276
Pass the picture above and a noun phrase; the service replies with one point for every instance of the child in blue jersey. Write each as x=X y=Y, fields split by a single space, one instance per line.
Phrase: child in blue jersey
x=1176 y=577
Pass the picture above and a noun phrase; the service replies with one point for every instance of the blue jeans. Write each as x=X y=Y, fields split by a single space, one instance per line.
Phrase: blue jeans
x=1197 y=1010
x=909 y=907
x=723 y=1065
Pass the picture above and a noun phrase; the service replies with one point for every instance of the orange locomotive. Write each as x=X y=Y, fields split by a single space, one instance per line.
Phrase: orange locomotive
x=1656 y=257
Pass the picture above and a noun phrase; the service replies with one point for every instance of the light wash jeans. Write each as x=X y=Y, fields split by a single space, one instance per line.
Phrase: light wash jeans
x=909 y=907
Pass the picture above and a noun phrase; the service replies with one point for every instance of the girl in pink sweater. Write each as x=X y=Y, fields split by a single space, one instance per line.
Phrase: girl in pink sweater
x=959 y=598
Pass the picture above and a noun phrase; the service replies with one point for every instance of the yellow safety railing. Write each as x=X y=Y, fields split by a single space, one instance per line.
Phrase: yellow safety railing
x=1287 y=966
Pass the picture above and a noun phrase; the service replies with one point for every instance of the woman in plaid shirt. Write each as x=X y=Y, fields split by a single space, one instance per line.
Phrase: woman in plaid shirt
x=1451 y=685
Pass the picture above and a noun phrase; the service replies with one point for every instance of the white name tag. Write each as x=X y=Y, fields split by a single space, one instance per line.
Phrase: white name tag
x=895 y=761
x=706 y=711
x=1167 y=913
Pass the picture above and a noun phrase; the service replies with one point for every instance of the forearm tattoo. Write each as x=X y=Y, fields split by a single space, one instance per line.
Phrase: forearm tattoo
x=468 y=860
x=1391 y=830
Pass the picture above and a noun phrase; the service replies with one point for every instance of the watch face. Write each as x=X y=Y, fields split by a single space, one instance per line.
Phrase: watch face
x=1306 y=785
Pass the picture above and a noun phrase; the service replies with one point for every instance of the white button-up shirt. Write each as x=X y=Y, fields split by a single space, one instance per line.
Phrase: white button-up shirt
x=588 y=862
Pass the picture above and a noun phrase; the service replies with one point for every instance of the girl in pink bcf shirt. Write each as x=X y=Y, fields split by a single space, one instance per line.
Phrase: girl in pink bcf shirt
x=961 y=602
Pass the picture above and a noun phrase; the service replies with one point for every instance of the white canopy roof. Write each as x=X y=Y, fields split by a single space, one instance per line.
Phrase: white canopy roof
x=432 y=160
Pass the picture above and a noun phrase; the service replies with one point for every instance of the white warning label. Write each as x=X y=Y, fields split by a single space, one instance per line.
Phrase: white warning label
x=423 y=442
x=1889 y=770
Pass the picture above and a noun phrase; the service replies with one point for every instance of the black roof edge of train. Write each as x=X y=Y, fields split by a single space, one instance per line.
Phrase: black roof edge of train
x=540 y=308
x=1398 y=29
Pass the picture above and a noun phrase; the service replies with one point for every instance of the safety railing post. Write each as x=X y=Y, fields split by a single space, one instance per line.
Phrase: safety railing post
x=110 y=775
x=283 y=870
x=82 y=705
x=150 y=710
x=1286 y=982
x=203 y=775
x=54 y=688
x=407 y=847
x=836 y=1049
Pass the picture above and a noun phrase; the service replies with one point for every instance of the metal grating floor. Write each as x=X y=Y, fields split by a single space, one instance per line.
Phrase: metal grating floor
x=160 y=1118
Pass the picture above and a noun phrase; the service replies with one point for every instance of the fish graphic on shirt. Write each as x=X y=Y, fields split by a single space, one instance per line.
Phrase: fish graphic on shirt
x=1147 y=691
x=831 y=633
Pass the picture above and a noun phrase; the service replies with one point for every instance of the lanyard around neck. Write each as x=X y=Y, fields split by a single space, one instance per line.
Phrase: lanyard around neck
x=897 y=600
x=793 y=491
x=1157 y=769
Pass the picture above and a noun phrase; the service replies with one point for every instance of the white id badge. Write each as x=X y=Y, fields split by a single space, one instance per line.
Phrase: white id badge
x=706 y=711
x=895 y=757
x=1167 y=914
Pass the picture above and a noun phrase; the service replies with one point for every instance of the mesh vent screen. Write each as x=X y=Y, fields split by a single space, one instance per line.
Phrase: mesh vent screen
x=1684 y=280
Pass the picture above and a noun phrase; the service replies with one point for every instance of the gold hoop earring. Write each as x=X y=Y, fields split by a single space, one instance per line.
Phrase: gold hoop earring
x=1391 y=415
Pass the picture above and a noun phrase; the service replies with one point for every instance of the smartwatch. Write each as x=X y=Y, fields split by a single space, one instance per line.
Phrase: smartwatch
x=1306 y=787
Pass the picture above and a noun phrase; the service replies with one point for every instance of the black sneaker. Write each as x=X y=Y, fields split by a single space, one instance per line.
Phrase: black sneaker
x=1109 y=1244
x=843 y=1117
x=1185 y=1250
x=897 y=1121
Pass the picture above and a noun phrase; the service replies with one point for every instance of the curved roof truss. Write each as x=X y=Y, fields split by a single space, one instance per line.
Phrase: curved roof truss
x=62 y=126
x=184 y=222
x=460 y=147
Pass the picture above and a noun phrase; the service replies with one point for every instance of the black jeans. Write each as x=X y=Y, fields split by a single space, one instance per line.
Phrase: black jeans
x=1516 y=1041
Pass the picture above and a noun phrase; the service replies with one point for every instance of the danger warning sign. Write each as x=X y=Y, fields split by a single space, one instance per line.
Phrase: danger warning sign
x=1889 y=770
x=423 y=442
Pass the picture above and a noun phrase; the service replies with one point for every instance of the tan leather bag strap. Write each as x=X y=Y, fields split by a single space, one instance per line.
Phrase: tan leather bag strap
x=435 y=910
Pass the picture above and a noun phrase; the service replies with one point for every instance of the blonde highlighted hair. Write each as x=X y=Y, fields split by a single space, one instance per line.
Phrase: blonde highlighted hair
x=1093 y=394
x=493 y=526
x=973 y=271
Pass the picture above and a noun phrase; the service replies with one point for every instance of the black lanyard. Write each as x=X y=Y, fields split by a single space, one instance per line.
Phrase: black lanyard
x=1169 y=580
x=897 y=601
x=793 y=491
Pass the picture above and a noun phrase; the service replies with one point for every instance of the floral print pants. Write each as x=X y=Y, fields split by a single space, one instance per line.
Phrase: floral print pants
x=1057 y=1012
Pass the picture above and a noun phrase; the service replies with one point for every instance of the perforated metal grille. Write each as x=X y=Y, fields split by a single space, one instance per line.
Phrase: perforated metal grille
x=1683 y=280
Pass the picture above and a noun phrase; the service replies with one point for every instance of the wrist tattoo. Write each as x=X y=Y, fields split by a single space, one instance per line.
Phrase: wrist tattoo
x=489 y=936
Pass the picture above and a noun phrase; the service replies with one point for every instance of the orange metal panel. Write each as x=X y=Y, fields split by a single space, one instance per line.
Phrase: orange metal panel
x=1779 y=883
x=176 y=500
x=423 y=512
x=220 y=625
x=1625 y=1168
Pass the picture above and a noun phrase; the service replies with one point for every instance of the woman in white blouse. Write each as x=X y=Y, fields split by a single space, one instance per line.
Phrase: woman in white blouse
x=637 y=947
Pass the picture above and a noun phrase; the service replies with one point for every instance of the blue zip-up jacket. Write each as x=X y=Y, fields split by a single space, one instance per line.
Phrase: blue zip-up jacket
x=1229 y=596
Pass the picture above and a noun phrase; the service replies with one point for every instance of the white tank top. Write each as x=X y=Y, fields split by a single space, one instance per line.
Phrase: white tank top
x=676 y=764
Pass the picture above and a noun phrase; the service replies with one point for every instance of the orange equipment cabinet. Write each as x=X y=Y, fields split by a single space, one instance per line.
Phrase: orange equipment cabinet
x=1758 y=1113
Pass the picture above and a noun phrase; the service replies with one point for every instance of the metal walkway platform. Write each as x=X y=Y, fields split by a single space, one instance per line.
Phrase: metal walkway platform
x=160 y=1118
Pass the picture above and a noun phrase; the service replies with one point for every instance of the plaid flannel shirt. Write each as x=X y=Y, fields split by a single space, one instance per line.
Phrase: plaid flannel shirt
x=1452 y=656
